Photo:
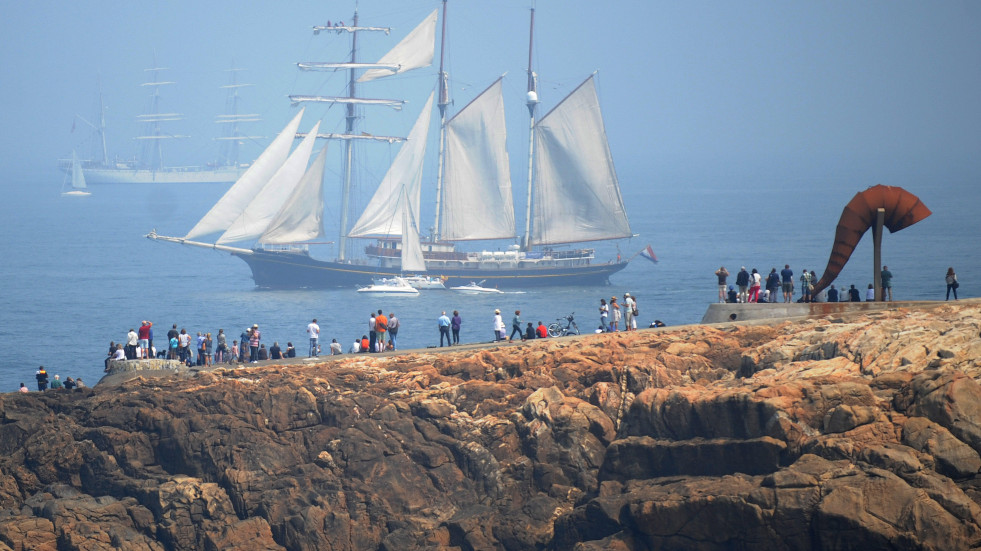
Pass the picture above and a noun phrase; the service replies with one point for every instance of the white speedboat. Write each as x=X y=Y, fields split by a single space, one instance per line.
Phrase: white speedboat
x=393 y=287
x=475 y=289
x=416 y=281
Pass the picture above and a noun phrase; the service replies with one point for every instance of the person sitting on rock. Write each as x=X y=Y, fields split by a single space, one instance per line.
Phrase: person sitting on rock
x=275 y=352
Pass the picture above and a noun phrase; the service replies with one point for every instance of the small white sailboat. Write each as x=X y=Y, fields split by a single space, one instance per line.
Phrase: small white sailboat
x=78 y=188
x=474 y=288
x=396 y=286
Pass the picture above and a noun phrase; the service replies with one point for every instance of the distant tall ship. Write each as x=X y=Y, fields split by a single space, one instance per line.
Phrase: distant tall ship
x=573 y=197
x=149 y=166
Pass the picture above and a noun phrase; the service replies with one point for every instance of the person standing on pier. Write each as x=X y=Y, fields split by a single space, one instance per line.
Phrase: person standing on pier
x=722 y=274
x=787 y=280
x=886 y=276
x=516 y=326
x=254 y=337
x=952 y=283
x=455 y=323
x=742 y=281
x=314 y=331
x=444 y=329
x=393 y=330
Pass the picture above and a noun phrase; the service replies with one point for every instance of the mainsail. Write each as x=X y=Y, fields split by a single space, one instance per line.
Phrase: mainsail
x=577 y=196
x=252 y=221
x=301 y=218
x=400 y=188
x=234 y=201
x=477 y=200
x=412 y=52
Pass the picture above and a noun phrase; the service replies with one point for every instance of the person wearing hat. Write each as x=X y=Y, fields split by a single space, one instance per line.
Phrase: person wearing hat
x=498 y=326
x=254 y=336
x=56 y=383
x=628 y=307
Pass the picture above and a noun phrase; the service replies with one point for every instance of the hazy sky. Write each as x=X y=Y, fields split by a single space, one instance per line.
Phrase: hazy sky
x=786 y=90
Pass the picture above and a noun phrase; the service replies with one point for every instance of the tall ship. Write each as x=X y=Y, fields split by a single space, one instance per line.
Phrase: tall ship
x=149 y=166
x=573 y=193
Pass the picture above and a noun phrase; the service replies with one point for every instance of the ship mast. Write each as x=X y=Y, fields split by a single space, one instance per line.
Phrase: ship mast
x=232 y=136
x=348 y=129
x=444 y=101
x=532 y=102
x=102 y=126
x=351 y=101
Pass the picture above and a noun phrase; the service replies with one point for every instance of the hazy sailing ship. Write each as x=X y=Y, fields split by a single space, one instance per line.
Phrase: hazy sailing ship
x=149 y=166
x=573 y=197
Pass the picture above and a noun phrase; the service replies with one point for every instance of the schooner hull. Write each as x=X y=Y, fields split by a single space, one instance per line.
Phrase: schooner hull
x=163 y=176
x=286 y=270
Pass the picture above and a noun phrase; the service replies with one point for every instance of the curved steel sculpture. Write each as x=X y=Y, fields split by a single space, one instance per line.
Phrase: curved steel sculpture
x=902 y=209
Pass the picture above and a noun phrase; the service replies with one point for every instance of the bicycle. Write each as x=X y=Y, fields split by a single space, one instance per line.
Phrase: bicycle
x=556 y=329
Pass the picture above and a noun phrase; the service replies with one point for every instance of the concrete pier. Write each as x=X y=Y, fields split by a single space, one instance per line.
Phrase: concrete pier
x=721 y=313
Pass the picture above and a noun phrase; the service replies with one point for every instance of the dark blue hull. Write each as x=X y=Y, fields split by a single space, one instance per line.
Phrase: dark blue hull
x=289 y=270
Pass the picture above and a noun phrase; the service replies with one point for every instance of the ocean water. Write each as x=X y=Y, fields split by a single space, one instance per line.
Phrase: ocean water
x=78 y=273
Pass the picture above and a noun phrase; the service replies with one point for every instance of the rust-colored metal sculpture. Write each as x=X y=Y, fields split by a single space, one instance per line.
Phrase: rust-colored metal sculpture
x=902 y=209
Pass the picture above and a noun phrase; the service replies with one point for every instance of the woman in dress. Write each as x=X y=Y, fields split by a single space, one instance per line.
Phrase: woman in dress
x=952 y=283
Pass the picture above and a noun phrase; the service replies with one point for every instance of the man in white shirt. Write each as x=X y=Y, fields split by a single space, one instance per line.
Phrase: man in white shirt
x=314 y=331
x=335 y=347
x=132 y=340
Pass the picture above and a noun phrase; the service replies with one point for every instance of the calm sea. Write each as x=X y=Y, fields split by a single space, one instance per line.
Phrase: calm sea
x=78 y=273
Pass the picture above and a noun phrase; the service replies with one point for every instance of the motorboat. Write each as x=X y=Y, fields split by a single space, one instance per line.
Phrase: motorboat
x=420 y=282
x=473 y=288
x=393 y=287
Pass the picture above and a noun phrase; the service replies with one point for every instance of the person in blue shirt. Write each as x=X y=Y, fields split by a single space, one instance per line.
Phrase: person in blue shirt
x=773 y=284
x=444 y=330
x=832 y=294
x=787 y=280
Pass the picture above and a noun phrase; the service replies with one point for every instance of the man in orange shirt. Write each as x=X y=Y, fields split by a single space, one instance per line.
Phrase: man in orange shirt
x=381 y=326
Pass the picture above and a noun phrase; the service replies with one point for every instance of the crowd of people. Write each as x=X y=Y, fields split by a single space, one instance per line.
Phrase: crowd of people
x=752 y=286
x=44 y=382
x=206 y=349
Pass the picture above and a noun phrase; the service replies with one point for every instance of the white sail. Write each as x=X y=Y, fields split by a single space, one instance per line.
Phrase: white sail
x=412 y=259
x=382 y=216
x=234 y=201
x=414 y=51
x=267 y=202
x=78 y=179
x=393 y=103
x=301 y=218
x=577 y=196
x=477 y=200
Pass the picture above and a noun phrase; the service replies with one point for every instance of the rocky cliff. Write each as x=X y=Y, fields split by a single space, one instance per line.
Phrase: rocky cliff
x=858 y=432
